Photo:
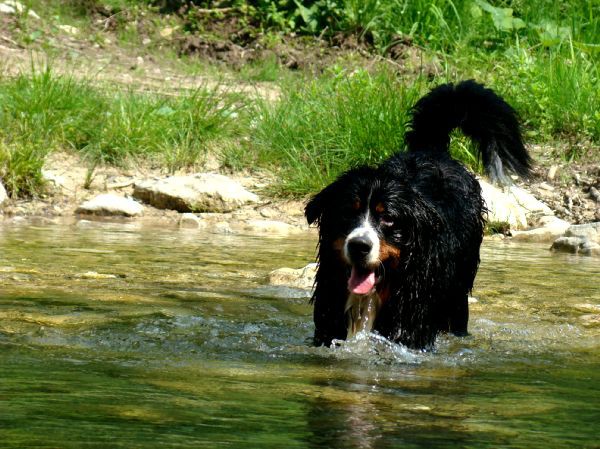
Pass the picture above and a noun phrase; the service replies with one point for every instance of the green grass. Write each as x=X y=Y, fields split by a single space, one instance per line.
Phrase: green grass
x=541 y=56
x=46 y=112
x=321 y=127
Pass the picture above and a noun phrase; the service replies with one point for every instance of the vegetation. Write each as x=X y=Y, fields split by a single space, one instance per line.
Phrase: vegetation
x=541 y=55
x=45 y=112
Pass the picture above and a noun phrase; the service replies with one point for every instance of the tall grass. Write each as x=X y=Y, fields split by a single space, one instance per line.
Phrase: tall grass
x=44 y=112
x=322 y=127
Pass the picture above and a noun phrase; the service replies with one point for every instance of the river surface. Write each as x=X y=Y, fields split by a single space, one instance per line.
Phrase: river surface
x=115 y=336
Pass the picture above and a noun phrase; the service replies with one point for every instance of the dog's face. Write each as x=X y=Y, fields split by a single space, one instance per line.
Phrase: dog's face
x=362 y=221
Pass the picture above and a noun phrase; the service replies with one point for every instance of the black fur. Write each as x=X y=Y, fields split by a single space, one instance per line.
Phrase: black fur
x=425 y=205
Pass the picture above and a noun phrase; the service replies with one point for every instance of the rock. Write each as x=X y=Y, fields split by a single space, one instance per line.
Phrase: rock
x=14 y=7
x=595 y=194
x=95 y=275
x=166 y=32
x=270 y=227
x=512 y=205
x=552 y=172
x=69 y=29
x=589 y=231
x=590 y=249
x=223 y=227
x=202 y=192
x=3 y=194
x=191 y=221
x=110 y=204
x=580 y=239
x=290 y=277
x=550 y=227
x=567 y=244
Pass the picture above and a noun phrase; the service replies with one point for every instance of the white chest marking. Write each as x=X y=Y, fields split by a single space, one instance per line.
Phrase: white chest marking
x=361 y=311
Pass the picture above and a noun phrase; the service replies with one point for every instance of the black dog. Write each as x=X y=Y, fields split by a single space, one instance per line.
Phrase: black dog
x=399 y=243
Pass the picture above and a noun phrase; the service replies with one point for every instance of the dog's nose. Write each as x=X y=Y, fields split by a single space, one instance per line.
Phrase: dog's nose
x=359 y=247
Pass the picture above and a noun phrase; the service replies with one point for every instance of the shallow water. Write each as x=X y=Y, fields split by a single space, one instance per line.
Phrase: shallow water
x=124 y=337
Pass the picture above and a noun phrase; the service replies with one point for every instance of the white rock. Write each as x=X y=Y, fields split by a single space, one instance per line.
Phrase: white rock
x=202 y=192
x=512 y=205
x=270 y=227
x=3 y=194
x=590 y=249
x=550 y=227
x=588 y=231
x=290 y=277
x=6 y=9
x=111 y=204
x=69 y=29
x=14 y=7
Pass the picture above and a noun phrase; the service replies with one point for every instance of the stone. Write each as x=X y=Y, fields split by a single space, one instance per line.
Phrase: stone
x=550 y=227
x=69 y=29
x=202 y=192
x=512 y=205
x=270 y=227
x=595 y=194
x=290 y=277
x=588 y=231
x=111 y=204
x=590 y=249
x=191 y=221
x=581 y=239
x=14 y=7
x=222 y=227
x=567 y=244
x=552 y=172
x=3 y=194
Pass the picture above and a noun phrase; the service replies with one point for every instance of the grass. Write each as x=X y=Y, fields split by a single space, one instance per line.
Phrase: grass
x=541 y=56
x=320 y=128
x=46 y=112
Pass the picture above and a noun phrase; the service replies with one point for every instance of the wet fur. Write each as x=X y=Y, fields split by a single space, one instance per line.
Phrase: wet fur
x=429 y=255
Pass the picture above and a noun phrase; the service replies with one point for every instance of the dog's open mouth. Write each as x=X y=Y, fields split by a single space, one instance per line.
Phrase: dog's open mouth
x=362 y=281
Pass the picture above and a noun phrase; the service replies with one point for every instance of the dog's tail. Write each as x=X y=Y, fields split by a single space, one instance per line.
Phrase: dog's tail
x=482 y=115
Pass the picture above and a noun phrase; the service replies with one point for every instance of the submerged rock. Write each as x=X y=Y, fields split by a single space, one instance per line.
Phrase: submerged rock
x=290 y=277
x=191 y=221
x=202 y=192
x=111 y=204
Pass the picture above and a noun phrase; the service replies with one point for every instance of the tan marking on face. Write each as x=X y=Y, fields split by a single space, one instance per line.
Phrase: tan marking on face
x=379 y=208
x=338 y=244
x=389 y=253
x=356 y=205
x=384 y=293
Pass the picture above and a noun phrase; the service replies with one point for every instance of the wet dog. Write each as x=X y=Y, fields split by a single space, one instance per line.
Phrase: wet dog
x=399 y=243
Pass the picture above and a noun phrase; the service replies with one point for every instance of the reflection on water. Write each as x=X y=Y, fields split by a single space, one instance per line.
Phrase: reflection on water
x=116 y=336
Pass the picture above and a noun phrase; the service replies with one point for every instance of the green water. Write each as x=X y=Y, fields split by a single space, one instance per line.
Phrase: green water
x=178 y=342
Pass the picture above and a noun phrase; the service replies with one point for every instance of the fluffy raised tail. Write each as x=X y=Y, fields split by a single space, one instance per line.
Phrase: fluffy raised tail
x=482 y=115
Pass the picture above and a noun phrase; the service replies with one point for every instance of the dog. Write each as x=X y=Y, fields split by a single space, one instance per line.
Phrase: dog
x=399 y=243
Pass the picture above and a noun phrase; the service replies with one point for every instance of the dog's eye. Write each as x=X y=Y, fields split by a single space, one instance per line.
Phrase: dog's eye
x=386 y=221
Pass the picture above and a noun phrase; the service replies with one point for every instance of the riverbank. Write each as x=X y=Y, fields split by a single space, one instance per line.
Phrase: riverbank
x=111 y=95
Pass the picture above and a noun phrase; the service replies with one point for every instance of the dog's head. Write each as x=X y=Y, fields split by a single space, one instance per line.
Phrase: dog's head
x=367 y=218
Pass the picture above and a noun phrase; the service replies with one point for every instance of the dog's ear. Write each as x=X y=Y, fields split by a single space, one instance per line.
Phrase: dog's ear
x=314 y=209
x=318 y=204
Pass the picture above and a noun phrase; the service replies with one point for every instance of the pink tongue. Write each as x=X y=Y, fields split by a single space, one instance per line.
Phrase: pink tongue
x=361 y=283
